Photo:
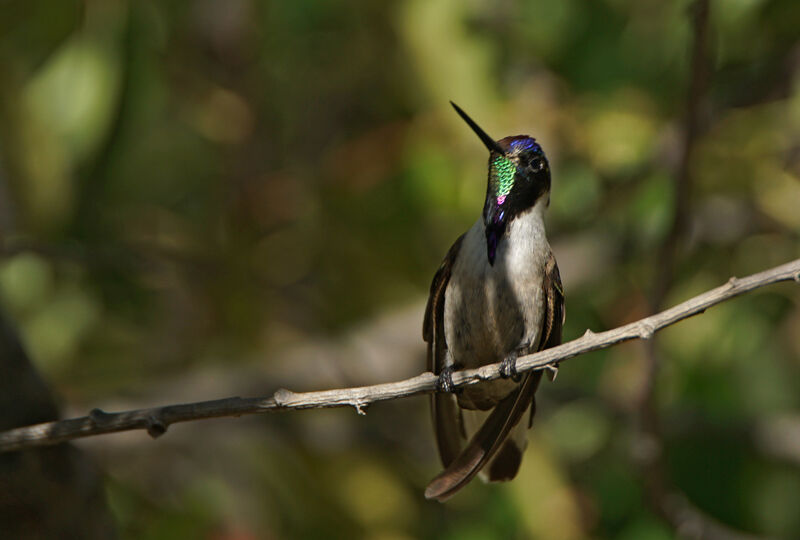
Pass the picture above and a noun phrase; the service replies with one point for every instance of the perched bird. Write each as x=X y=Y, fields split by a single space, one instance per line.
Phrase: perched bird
x=496 y=296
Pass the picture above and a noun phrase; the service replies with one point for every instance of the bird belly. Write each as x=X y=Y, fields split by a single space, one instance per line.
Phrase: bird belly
x=494 y=310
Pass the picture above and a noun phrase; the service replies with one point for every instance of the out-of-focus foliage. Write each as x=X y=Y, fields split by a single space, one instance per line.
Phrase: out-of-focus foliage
x=201 y=187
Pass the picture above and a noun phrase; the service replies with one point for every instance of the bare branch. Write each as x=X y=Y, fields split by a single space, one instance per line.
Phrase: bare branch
x=157 y=420
x=663 y=497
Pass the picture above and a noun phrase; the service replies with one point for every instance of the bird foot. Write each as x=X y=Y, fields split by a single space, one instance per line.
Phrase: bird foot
x=508 y=367
x=445 y=381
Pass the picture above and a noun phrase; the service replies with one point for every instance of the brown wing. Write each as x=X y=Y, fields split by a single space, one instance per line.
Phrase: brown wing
x=554 y=313
x=489 y=438
x=444 y=408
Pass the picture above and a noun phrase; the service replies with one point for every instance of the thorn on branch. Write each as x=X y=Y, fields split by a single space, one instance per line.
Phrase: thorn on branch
x=646 y=330
x=588 y=333
x=155 y=426
x=360 y=408
x=283 y=397
x=733 y=282
x=552 y=371
x=99 y=417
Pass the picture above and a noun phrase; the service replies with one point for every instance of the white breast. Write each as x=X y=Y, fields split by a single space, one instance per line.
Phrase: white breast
x=492 y=310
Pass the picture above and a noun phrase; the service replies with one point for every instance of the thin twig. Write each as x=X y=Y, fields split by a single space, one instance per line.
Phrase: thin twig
x=668 y=252
x=663 y=497
x=693 y=125
x=157 y=420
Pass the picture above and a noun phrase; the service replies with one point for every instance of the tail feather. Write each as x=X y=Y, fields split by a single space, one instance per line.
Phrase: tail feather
x=506 y=462
x=486 y=442
x=448 y=427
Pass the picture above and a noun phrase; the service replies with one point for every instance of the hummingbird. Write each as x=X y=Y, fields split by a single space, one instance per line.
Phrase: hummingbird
x=496 y=296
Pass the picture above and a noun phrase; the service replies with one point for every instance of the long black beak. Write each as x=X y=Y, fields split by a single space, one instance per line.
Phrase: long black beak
x=488 y=141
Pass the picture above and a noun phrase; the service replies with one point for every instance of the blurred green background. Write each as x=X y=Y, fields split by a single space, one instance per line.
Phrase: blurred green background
x=201 y=199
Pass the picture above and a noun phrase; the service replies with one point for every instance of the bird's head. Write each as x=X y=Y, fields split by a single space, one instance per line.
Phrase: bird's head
x=519 y=177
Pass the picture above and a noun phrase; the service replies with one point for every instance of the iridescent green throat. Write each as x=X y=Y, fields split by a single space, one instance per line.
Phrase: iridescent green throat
x=502 y=175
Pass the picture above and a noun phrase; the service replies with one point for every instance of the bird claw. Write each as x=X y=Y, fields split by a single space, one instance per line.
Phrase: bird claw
x=445 y=381
x=508 y=367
